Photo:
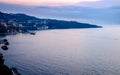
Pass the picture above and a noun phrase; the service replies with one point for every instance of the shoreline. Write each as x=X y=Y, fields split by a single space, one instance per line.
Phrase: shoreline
x=4 y=69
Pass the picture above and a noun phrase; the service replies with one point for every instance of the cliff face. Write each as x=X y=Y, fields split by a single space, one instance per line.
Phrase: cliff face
x=4 y=70
x=25 y=22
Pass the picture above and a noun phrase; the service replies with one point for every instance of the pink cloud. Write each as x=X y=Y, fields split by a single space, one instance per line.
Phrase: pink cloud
x=46 y=2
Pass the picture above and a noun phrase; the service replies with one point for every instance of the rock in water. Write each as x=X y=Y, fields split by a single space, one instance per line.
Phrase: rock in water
x=6 y=43
x=4 y=47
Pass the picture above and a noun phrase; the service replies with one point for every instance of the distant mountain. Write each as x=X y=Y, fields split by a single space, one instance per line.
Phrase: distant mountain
x=23 y=22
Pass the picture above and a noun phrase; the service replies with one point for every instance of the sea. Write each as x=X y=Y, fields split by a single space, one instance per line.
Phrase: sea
x=90 y=51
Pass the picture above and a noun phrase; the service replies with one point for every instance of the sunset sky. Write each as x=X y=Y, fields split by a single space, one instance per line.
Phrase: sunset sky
x=46 y=2
x=91 y=11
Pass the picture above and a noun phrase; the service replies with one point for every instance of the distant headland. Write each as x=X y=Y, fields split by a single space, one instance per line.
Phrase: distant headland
x=21 y=23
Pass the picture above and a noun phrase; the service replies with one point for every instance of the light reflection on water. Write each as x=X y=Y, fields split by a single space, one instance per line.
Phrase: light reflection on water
x=66 y=52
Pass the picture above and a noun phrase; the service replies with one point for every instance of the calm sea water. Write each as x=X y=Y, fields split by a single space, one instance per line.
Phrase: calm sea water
x=66 y=52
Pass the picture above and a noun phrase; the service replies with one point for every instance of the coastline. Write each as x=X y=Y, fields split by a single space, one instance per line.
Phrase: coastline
x=4 y=69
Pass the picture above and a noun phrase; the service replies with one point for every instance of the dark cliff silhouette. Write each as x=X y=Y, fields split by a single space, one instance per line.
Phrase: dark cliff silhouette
x=4 y=69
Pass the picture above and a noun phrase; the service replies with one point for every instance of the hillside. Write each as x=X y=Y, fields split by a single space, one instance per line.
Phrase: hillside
x=22 y=22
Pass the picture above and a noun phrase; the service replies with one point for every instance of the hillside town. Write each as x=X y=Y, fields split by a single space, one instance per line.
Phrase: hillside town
x=23 y=23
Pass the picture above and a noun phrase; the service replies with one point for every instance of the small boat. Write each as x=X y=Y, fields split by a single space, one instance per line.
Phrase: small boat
x=14 y=71
x=32 y=33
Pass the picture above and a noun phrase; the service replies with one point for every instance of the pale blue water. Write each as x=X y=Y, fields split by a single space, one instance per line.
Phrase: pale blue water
x=66 y=52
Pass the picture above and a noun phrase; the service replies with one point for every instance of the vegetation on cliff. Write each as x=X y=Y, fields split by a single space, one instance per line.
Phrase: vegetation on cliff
x=4 y=70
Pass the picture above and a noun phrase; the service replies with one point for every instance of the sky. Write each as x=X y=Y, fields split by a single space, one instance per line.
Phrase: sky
x=46 y=2
x=90 y=11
